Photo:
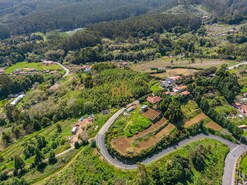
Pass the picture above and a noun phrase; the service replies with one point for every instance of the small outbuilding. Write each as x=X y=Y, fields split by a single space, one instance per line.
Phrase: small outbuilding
x=144 y=108
x=74 y=130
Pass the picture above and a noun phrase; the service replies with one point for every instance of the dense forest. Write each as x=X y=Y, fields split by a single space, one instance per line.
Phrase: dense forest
x=25 y=17
x=22 y=17
x=14 y=84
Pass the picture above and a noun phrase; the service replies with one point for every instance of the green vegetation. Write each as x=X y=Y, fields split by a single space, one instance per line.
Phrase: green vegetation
x=211 y=155
x=207 y=91
x=136 y=123
x=243 y=165
x=214 y=158
x=190 y=109
x=178 y=40
x=35 y=65
x=156 y=88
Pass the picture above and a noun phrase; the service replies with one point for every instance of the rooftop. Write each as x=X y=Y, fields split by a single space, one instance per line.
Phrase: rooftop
x=181 y=87
x=174 y=78
x=154 y=99
x=185 y=93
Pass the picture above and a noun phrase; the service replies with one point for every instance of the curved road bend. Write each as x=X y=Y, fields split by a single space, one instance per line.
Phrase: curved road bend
x=230 y=164
x=232 y=67
x=236 y=150
x=66 y=69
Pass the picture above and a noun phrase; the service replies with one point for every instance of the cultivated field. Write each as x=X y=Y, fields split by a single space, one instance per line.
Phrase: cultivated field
x=144 y=139
x=35 y=65
x=165 y=61
x=214 y=126
x=195 y=120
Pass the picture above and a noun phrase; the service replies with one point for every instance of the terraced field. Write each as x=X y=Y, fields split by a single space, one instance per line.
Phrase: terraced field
x=144 y=139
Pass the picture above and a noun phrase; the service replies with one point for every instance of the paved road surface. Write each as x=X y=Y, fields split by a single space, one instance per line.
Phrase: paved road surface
x=66 y=69
x=232 y=67
x=230 y=164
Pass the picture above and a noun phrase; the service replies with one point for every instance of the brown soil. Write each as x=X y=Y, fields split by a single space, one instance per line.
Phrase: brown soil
x=124 y=145
x=213 y=126
x=195 y=120
x=82 y=125
x=175 y=72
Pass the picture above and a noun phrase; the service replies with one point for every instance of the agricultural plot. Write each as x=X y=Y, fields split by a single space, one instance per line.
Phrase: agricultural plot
x=143 y=140
x=195 y=120
x=190 y=110
x=175 y=72
x=136 y=122
x=165 y=61
x=214 y=126
x=35 y=65
x=241 y=72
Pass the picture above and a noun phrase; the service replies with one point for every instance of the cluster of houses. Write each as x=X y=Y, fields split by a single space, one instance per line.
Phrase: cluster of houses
x=48 y=62
x=241 y=106
x=171 y=83
x=123 y=64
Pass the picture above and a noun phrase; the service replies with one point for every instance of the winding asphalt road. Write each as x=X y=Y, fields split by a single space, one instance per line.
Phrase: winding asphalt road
x=232 y=67
x=66 y=69
x=230 y=161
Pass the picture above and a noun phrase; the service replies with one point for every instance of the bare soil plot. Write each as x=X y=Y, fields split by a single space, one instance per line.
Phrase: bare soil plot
x=150 y=129
x=82 y=125
x=195 y=120
x=121 y=145
x=151 y=114
x=175 y=72
x=165 y=61
x=214 y=126
x=124 y=145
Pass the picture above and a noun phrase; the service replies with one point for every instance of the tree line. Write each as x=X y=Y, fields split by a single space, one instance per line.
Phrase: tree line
x=16 y=84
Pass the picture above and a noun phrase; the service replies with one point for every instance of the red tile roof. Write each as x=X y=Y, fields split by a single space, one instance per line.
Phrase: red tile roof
x=185 y=93
x=181 y=87
x=244 y=108
x=174 y=78
x=154 y=99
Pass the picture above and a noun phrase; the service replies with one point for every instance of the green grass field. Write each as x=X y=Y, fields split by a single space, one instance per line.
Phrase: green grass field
x=1 y=105
x=136 y=123
x=243 y=165
x=156 y=88
x=35 y=65
x=190 y=109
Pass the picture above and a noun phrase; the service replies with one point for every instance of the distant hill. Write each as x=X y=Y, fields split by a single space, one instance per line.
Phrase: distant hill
x=229 y=11
x=28 y=16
